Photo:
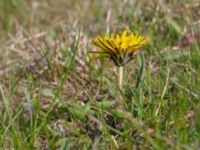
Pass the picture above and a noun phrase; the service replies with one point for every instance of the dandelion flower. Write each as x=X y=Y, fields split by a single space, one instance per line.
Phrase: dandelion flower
x=120 y=48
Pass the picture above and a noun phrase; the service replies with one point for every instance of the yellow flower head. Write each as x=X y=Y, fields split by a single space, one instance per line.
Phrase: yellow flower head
x=120 y=48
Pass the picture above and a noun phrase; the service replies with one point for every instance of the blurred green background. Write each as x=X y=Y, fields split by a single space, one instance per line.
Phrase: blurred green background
x=54 y=95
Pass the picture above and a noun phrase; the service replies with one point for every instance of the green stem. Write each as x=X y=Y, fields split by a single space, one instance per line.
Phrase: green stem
x=120 y=77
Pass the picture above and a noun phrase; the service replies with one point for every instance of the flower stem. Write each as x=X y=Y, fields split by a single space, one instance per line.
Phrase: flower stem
x=120 y=77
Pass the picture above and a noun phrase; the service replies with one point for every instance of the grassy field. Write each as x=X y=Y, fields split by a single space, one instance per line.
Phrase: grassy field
x=56 y=95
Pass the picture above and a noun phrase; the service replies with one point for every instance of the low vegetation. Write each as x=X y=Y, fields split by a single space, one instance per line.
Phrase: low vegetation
x=54 y=94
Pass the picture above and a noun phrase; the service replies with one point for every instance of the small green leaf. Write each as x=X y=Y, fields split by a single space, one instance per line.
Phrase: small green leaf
x=64 y=145
x=80 y=111
x=48 y=92
x=174 y=25
x=104 y=104
x=117 y=113
x=140 y=77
